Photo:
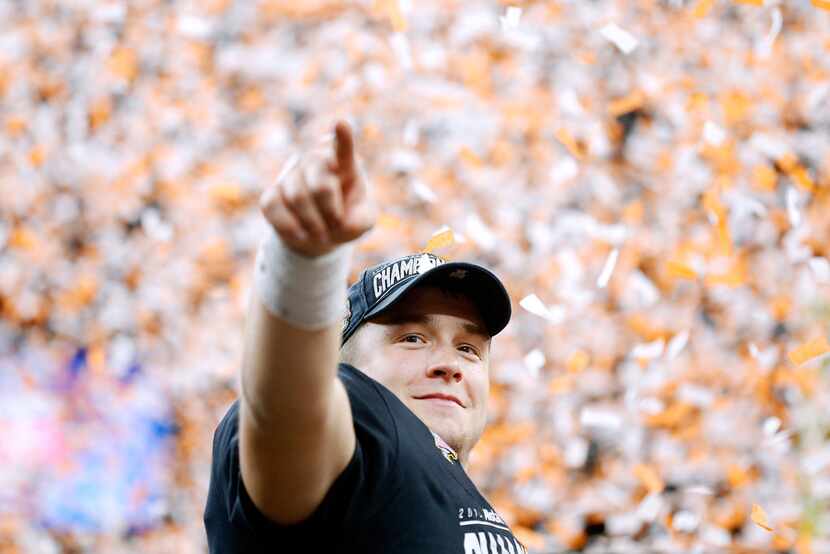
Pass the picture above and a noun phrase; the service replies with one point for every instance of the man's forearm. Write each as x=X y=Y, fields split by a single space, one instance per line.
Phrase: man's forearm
x=293 y=329
x=286 y=370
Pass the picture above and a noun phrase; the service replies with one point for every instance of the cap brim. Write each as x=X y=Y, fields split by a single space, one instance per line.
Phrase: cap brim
x=478 y=283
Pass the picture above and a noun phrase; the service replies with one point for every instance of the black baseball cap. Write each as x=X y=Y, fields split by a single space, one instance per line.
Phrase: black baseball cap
x=381 y=286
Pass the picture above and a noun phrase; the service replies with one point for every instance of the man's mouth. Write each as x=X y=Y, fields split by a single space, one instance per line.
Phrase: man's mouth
x=439 y=396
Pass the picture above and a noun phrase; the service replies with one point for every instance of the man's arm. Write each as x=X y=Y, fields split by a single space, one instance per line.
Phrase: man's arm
x=296 y=431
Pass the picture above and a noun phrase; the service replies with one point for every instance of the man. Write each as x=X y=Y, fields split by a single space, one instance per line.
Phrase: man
x=365 y=455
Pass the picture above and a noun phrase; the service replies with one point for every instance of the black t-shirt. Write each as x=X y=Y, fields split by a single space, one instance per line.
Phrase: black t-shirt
x=403 y=491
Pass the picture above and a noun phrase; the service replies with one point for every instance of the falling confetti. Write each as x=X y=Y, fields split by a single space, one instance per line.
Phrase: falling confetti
x=534 y=305
x=759 y=517
x=534 y=361
x=644 y=188
x=442 y=238
x=650 y=478
x=809 y=350
x=702 y=8
x=608 y=268
x=765 y=48
x=391 y=9
x=621 y=38
x=510 y=20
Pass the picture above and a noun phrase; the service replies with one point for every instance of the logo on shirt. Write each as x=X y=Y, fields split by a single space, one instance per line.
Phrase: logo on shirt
x=445 y=449
x=486 y=532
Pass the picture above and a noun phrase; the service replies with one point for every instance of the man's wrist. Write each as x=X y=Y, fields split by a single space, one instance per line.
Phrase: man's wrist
x=305 y=289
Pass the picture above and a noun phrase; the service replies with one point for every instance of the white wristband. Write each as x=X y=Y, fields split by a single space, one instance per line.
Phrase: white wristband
x=308 y=293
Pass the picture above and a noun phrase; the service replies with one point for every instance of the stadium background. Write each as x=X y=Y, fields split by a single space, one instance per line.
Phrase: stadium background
x=651 y=179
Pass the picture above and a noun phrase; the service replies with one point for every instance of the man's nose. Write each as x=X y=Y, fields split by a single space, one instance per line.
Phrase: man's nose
x=445 y=366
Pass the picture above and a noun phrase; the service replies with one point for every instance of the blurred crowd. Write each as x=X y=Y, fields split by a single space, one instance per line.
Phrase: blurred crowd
x=651 y=180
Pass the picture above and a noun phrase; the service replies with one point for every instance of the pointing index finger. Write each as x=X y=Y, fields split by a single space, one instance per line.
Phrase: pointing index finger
x=344 y=149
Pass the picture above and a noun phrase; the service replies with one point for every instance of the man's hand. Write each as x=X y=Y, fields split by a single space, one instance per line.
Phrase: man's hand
x=319 y=203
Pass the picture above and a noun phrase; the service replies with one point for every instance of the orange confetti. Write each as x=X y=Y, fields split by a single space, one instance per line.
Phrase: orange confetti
x=228 y=196
x=15 y=125
x=723 y=237
x=37 y=155
x=440 y=240
x=702 y=8
x=759 y=517
x=391 y=9
x=809 y=350
x=713 y=204
x=764 y=177
x=576 y=149
x=736 y=105
x=23 y=239
x=627 y=104
x=751 y=2
x=100 y=112
x=650 y=478
x=821 y=4
x=802 y=178
x=735 y=276
x=389 y=221
x=680 y=270
x=470 y=157
x=578 y=361
x=123 y=63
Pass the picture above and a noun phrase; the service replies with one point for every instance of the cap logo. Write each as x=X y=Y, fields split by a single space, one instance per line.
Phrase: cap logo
x=392 y=274
x=348 y=315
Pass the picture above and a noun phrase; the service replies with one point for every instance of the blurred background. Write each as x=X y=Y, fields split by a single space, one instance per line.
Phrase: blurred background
x=650 y=178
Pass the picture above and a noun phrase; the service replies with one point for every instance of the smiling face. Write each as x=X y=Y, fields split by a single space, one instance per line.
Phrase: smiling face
x=431 y=349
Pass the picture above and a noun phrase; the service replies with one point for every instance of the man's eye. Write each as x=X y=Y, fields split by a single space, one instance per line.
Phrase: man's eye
x=412 y=338
x=468 y=348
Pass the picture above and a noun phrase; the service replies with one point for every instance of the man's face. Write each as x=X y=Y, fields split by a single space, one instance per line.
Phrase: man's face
x=433 y=343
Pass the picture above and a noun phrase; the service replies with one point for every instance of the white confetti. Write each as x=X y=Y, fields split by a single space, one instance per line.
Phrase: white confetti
x=621 y=38
x=442 y=229
x=695 y=395
x=820 y=268
x=602 y=418
x=480 y=232
x=793 y=212
x=817 y=461
x=400 y=45
x=765 y=47
x=534 y=305
x=534 y=361
x=608 y=268
x=713 y=133
x=650 y=507
x=422 y=191
x=765 y=358
x=564 y=170
x=649 y=350
x=771 y=426
x=685 y=521
x=677 y=344
x=770 y=146
x=576 y=453
x=510 y=20
x=195 y=27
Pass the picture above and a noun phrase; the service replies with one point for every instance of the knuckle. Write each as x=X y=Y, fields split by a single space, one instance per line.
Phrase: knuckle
x=323 y=189
x=294 y=196
x=266 y=199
